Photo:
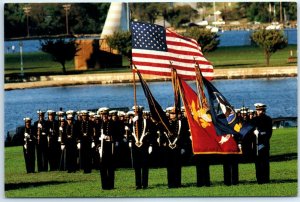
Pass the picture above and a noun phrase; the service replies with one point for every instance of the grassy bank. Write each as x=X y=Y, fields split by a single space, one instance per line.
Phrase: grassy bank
x=62 y=184
x=223 y=57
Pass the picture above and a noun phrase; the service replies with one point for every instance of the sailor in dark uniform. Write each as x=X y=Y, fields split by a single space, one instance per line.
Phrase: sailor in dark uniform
x=52 y=130
x=85 y=140
x=97 y=142
x=173 y=141
x=263 y=132
x=42 y=142
x=140 y=143
x=68 y=144
x=118 y=131
x=106 y=151
x=60 y=117
x=187 y=146
x=29 y=146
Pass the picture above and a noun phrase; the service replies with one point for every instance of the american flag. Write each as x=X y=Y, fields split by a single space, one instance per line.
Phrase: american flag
x=155 y=50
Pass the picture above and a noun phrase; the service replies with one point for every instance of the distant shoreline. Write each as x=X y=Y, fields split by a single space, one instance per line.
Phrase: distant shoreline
x=115 y=78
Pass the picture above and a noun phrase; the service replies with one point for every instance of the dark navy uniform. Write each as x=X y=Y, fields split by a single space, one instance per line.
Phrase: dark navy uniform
x=97 y=142
x=202 y=169
x=42 y=142
x=29 y=146
x=174 y=142
x=85 y=139
x=140 y=142
x=106 y=152
x=263 y=132
x=52 y=131
x=68 y=142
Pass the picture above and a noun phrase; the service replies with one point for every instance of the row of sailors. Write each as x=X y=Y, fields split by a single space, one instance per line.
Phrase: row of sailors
x=96 y=139
x=85 y=140
x=243 y=113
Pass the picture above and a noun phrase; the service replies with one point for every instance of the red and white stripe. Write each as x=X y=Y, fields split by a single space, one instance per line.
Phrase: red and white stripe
x=182 y=54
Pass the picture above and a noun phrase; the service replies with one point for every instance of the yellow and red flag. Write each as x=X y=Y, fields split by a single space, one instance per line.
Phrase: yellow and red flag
x=204 y=137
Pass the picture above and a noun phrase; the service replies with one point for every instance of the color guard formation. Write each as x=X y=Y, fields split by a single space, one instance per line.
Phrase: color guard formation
x=73 y=141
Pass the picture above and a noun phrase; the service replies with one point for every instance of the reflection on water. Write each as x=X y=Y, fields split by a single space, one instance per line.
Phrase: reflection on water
x=279 y=94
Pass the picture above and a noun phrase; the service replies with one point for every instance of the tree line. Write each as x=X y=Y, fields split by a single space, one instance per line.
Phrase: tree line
x=46 y=19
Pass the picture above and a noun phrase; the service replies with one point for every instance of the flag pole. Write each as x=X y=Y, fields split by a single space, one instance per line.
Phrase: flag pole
x=175 y=87
x=134 y=98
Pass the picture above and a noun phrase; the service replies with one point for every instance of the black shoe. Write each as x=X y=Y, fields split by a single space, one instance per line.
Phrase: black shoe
x=138 y=187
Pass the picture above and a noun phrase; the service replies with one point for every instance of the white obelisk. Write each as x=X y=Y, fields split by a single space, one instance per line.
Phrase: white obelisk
x=116 y=20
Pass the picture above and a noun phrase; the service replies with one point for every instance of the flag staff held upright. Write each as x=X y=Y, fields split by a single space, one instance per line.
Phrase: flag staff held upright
x=134 y=96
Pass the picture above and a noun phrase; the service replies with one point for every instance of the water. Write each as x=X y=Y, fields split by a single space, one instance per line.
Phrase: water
x=227 y=38
x=280 y=95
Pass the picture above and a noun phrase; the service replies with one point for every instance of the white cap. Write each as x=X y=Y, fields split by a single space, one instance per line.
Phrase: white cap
x=27 y=119
x=70 y=112
x=121 y=113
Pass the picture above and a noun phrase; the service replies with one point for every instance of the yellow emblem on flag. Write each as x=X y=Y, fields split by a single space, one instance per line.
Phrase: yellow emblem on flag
x=200 y=115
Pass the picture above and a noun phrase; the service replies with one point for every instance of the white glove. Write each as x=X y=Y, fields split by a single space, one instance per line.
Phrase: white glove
x=135 y=118
x=182 y=151
x=26 y=135
x=62 y=147
x=256 y=132
x=61 y=128
x=117 y=144
x=93 y=144
x=59 y=139
x=39 y=125
x=25 y=146
x=130 y=144
x=150 y=149
x=124 y=139
x=126 y=128
x=78 y=145
x=102 y=137
x=50 y=130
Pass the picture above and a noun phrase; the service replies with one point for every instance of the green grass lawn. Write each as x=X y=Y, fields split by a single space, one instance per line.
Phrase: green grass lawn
x=223 y=57
x=230 y=57
x=61 y=184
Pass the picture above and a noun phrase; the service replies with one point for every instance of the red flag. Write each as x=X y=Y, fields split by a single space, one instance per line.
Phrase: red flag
x=204 y=137
x=154 y=48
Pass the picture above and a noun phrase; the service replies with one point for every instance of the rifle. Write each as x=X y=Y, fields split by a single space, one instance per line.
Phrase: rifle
x=26 y=143
x=63 y=159
x=256 y=143
x=131 y=155
x=130 y=147
x=101 y=145
x=79 y=157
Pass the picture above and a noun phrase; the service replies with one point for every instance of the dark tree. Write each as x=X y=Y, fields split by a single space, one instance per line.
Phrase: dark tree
x=270 y=41
x=61 y=49
x=121 y=41
x=181 y=14
x=208 y=40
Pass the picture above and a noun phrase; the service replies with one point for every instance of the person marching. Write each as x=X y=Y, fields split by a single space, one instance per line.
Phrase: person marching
x=29 y=146
x=173 y=141
x=140 y=143
x=52 y=130
x=85 y=142
x=263 y=133
x=42 y=142
x=68 y=143
x=106 y=151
